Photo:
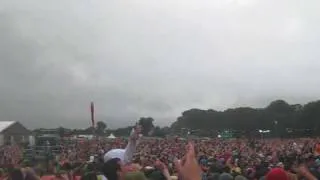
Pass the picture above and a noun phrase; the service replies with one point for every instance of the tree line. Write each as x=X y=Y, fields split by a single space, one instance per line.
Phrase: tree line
x=281 y=118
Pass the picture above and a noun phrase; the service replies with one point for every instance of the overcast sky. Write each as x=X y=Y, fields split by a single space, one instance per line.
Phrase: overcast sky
x=154 y=58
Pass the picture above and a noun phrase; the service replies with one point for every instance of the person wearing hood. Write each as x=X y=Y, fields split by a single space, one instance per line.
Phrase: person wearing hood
x=116 y=161
x=125 y=155
x=225 y=176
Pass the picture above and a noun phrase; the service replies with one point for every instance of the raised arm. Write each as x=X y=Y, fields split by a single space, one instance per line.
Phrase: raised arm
x=132 y=144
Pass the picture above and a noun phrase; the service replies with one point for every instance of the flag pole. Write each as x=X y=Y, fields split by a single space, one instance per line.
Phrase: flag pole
x=92 y=117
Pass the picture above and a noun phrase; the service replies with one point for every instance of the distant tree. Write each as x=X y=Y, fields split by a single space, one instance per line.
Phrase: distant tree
x=147 y=125
x=61 y=131
x=310 y=116
x=278 y=116
x=159 y=132
x=101 y=126
x=125 y=132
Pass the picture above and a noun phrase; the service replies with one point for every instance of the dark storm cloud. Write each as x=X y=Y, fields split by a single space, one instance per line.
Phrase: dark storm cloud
x=152 y=58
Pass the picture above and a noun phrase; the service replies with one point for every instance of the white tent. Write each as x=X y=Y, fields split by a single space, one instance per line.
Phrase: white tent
x=111 y=136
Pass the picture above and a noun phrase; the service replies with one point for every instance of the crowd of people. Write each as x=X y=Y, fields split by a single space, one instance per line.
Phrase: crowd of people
x=10 y=154
x=173 y=158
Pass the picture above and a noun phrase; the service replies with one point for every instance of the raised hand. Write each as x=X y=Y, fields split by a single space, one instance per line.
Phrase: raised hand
x=163 y=168
x=188 y=167
x=135 y=134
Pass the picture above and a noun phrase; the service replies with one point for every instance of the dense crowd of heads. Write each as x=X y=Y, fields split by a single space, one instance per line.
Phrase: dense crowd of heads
x=156 y=159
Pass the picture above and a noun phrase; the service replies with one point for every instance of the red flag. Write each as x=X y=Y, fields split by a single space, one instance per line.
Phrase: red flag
x=92 y=114
x=317 y=150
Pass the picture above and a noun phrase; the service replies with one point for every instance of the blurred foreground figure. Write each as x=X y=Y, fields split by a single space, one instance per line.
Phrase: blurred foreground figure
x=125 y=155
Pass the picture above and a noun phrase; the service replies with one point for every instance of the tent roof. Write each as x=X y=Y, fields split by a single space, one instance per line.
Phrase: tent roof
x=111 y=136
x=5 y=124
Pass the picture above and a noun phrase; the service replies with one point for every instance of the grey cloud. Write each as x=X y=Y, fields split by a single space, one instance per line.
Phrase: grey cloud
x=152 y=58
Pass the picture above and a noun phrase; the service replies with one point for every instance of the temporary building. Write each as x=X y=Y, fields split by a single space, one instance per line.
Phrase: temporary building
x=111 y=136
x=13 y=132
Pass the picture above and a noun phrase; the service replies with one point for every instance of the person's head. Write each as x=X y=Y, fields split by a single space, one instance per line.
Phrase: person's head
x=155 y=175
x=66 y=166
x=16 y=174
x=112 y=169
x=215 y=168
x=136 y=176
x=89 y=176
x=280 y=165
x=226 y=169
x=39 y=171
x=1 y=172
x=214 y=176
x=114 y=153
x=277 y=174
x=240 y=178
x=225 y=176
x=90 y=167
